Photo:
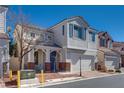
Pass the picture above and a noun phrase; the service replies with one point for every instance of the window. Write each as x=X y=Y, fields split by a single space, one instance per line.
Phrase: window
x=77 y=31
x=110 y=44
x=122 y=49
x=32 y=34
x=63 y=28
x=102 y=42
x=70 y=30
x=49 y=37
x=92 y=36
x=84 y=33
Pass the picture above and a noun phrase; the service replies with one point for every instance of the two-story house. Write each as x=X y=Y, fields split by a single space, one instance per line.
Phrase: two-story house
x=4 y=42
x=119 y=47
x=78 y=42
x=107 y=58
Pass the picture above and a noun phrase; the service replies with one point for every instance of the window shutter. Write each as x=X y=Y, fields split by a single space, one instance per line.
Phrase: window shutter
x=70 y=30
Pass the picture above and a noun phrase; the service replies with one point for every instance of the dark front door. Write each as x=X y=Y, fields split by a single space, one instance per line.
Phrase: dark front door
x=53 y=61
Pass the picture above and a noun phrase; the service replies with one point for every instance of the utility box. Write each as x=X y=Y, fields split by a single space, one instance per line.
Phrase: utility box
x=27 y=74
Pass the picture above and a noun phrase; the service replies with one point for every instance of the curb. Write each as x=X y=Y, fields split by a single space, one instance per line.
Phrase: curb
x=79 y=79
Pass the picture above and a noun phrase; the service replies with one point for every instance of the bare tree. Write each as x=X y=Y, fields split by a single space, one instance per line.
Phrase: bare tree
x=20 y=24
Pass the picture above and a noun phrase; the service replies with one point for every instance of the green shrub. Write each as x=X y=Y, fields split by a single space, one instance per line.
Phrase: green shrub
x=118 y=71
x=110 y=70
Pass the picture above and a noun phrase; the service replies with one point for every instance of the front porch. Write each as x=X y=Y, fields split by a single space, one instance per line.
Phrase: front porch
x=48 y=59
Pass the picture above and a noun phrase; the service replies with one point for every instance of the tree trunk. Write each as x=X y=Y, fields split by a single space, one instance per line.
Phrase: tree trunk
x=20 y=60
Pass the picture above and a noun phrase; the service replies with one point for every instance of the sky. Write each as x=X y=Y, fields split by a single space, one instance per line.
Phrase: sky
x=102 y=18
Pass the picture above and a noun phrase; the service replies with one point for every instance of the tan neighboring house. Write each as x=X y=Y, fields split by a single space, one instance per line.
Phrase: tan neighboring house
x=42 y=50
x=119 y=47
x=107 y=58
x=4 y=42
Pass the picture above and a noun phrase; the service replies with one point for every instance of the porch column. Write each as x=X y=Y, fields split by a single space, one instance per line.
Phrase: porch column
x=31 y=56
x=30 y=59
x=47 y=56
x=47 y=66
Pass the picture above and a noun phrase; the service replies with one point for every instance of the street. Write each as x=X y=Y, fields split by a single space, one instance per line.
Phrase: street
x=116 y=81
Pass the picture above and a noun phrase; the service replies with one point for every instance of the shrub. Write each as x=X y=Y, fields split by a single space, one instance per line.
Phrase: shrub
x=110 y=70
x=118 y=71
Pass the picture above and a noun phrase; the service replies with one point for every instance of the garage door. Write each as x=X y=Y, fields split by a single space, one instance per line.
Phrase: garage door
x=75 y=62
x=86 y=65
x=111 y=62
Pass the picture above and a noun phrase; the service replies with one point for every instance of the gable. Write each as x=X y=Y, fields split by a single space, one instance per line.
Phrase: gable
x=77 y=19
x=104 y=35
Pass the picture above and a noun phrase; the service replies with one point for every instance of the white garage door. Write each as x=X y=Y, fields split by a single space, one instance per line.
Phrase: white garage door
x=111 y=62
x=86 y=65
x=75 y=62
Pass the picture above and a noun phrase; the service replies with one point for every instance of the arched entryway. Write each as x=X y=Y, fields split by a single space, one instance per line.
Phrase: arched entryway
x=54 y=60
x=39 y=58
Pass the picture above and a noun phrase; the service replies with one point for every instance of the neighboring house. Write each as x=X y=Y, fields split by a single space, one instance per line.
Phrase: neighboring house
x=119 y=47
x=66 y=46
x=107 y=58
x=43 y=52
x=4 y=42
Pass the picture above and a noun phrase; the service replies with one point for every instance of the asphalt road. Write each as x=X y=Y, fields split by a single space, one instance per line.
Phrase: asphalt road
x=116 y=81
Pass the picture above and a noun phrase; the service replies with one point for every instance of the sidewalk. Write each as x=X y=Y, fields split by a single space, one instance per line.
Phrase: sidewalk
x=90 y=74
x=52 y=78
x=2 y=85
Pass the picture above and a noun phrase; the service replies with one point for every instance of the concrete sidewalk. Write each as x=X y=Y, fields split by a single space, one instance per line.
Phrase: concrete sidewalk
x=53 y=78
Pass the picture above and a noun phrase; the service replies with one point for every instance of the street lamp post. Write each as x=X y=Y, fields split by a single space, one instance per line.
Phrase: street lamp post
x=80 y=67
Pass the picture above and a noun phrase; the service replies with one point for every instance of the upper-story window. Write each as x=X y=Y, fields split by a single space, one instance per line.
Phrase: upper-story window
x=110 y=44
x=33 y=35
x=63 y=30
x=103 y=42
x=77 y=31
x=122 y=49
x=92 y=36
x=41 y=37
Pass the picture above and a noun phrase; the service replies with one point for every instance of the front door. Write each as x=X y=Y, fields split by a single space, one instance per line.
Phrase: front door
x=53 y=61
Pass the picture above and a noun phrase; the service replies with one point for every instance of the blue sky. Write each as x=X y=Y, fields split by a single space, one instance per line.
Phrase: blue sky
x=104 y=18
